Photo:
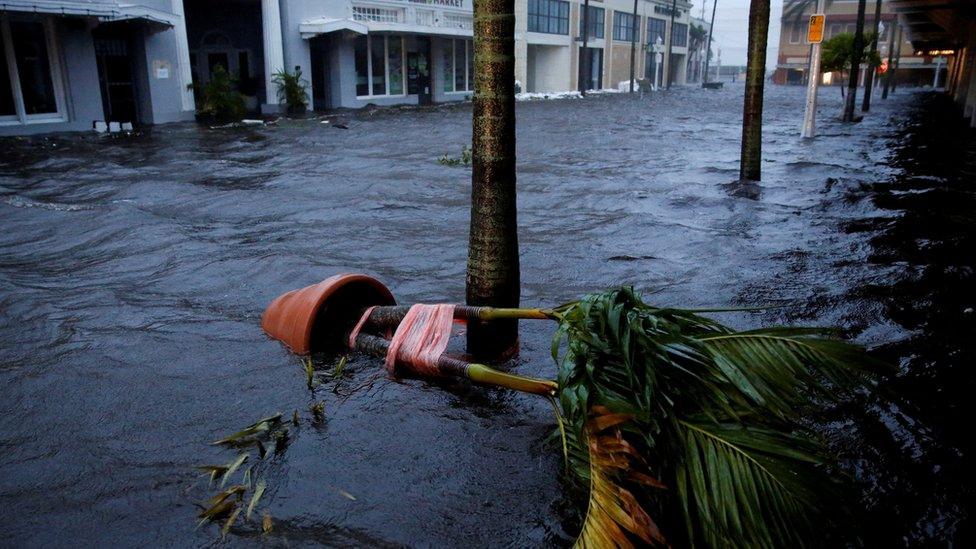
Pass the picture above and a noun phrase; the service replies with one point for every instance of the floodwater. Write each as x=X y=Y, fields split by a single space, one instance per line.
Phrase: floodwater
x=134 y=270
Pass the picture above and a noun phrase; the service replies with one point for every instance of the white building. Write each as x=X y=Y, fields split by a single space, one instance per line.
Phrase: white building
x=72 y=63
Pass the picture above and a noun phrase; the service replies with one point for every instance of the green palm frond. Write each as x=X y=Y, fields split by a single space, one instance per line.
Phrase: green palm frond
x=713 y=412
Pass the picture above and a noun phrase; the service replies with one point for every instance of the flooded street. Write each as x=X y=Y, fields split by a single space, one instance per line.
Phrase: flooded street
x=134 y=271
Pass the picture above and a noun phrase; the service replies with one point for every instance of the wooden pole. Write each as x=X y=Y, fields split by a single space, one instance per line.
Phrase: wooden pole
x=895 y=38
x=856 y=55
x=708 y=48
x=584 y=62
x=633 y=45
x=674 y=8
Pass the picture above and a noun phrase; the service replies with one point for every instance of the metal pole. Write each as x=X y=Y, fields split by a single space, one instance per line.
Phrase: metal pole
x=869 y=74
x=633 y=46
x=674 y=8
x=813 y=82
x=708 y=48
x=938 y=68
x=584 y=55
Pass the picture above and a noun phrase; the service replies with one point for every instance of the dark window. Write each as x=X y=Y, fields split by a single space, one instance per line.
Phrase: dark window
x=594 y=22
x=378 y=60
x=623 y=26
x=680 y=34
x=362 y=66
x=6 y=92
x=655 y=29
x=33 y=66
x=549 y=16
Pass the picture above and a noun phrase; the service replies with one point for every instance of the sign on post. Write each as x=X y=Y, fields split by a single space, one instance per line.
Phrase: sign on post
x=815 y=31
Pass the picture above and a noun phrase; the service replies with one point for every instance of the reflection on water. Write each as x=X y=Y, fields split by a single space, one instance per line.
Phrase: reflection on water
x=134 y=272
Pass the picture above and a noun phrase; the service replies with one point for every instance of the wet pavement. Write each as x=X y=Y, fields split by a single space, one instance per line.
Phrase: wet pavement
x=133 y=273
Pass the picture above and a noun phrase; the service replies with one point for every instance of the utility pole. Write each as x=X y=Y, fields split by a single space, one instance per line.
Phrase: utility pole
x=633 y=45
x=813 y=82
x=869 y=75
x=708 y=47
x=674 y=7
x=895 y=39
x=584 y=62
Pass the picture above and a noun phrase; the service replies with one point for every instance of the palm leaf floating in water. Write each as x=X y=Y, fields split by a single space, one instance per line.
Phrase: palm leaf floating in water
x=674 y=415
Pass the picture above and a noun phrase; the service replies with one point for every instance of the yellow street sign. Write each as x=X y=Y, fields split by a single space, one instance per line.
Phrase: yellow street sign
x=815 y=31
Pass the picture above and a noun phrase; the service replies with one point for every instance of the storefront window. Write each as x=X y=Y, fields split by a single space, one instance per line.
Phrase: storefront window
x=395 y=65
x=30 y=87
x=623 y=26
x=458 y=65
x=379 y=65
x=594 y=22
x=655 y=30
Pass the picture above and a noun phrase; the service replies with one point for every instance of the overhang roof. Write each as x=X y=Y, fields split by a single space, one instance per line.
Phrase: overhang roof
x=322 y=25
x=936 y=24
x=103 y=11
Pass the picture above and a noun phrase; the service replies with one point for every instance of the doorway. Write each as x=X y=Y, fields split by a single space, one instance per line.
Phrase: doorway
x=115 y=74
x=591 y=68
x=418 y=71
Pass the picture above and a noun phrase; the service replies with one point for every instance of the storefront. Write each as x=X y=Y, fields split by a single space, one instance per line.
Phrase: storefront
x=73 y=65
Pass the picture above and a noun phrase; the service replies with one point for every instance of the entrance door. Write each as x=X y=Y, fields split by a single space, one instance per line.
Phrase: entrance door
x=115 y=77
x=592 y=67
x=418 y=72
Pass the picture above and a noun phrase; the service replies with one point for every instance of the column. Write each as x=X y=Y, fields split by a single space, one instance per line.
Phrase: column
x=274 y=57
x=184 y=76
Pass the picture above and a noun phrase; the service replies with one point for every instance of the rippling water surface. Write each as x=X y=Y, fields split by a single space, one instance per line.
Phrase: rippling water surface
x=133 y=273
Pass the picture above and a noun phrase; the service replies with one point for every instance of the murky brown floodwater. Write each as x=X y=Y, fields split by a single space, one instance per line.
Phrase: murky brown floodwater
x=134 y=271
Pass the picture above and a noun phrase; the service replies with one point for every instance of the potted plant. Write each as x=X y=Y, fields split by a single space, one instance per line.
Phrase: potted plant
x=218 y=100
x=292 y=91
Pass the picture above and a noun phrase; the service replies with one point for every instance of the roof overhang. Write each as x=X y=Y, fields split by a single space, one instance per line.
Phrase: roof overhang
x=316 y=27
x=936 y=24
x=102 y=11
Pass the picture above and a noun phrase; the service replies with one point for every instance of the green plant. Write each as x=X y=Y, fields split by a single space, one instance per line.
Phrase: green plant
x=219 y=99
x=671 y=414
x=292 y=89
x=836 y=52
x=463 y=160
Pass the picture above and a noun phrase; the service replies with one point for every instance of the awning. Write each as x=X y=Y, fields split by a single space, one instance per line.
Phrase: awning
x=103 y=11
x=315 y=27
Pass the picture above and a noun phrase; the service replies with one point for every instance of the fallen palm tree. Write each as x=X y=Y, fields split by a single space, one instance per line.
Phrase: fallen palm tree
x=666 y=416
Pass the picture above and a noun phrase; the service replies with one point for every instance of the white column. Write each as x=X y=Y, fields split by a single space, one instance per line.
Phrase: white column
x=274 y=56
x=813 y=82
x=184 y=76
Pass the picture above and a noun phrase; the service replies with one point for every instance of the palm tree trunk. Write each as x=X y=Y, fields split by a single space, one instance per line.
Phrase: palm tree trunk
x=493 y=260
x=749 y=167
x=856 y=56
x=869 y=75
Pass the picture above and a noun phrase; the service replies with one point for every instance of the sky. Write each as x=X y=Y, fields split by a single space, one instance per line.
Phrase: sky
x=732 y=29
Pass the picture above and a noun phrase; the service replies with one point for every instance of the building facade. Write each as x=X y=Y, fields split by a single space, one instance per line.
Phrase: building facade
x=76 y=64
x=794 y=50
x=66 y=64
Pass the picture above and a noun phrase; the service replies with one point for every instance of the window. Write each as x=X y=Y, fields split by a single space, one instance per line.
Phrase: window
x=594 y=22
x=458 y=66
x=549 y=16
x=380 y=15
x=30 y=86
x=655 y=30
x=796 y=32
x=379 y=65
x=623 y=26
x=680 y=34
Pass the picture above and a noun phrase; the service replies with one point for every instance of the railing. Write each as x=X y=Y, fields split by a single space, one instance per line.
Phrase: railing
x=425 y=17
x=420 y=17
x=458 y=21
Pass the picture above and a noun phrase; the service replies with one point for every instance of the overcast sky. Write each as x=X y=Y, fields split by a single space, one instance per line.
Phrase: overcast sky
x=732 y=29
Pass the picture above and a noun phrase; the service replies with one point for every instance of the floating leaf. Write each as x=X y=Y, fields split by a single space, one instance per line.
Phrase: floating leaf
x=233 y=466
x=258 y=492
x=266 y=524
x=347 y=495
x=318 y=411
x=309 y=374
x=243 y=436
x=230 y=521
x=294 y=418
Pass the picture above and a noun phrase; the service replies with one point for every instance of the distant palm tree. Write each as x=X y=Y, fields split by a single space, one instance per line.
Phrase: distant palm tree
x=751 y=157
x=493 y=258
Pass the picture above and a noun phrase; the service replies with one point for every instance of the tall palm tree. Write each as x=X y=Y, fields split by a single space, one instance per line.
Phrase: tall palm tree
x=872 y=67
x=751 y=157
x=856 y=55
x=493 y=258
